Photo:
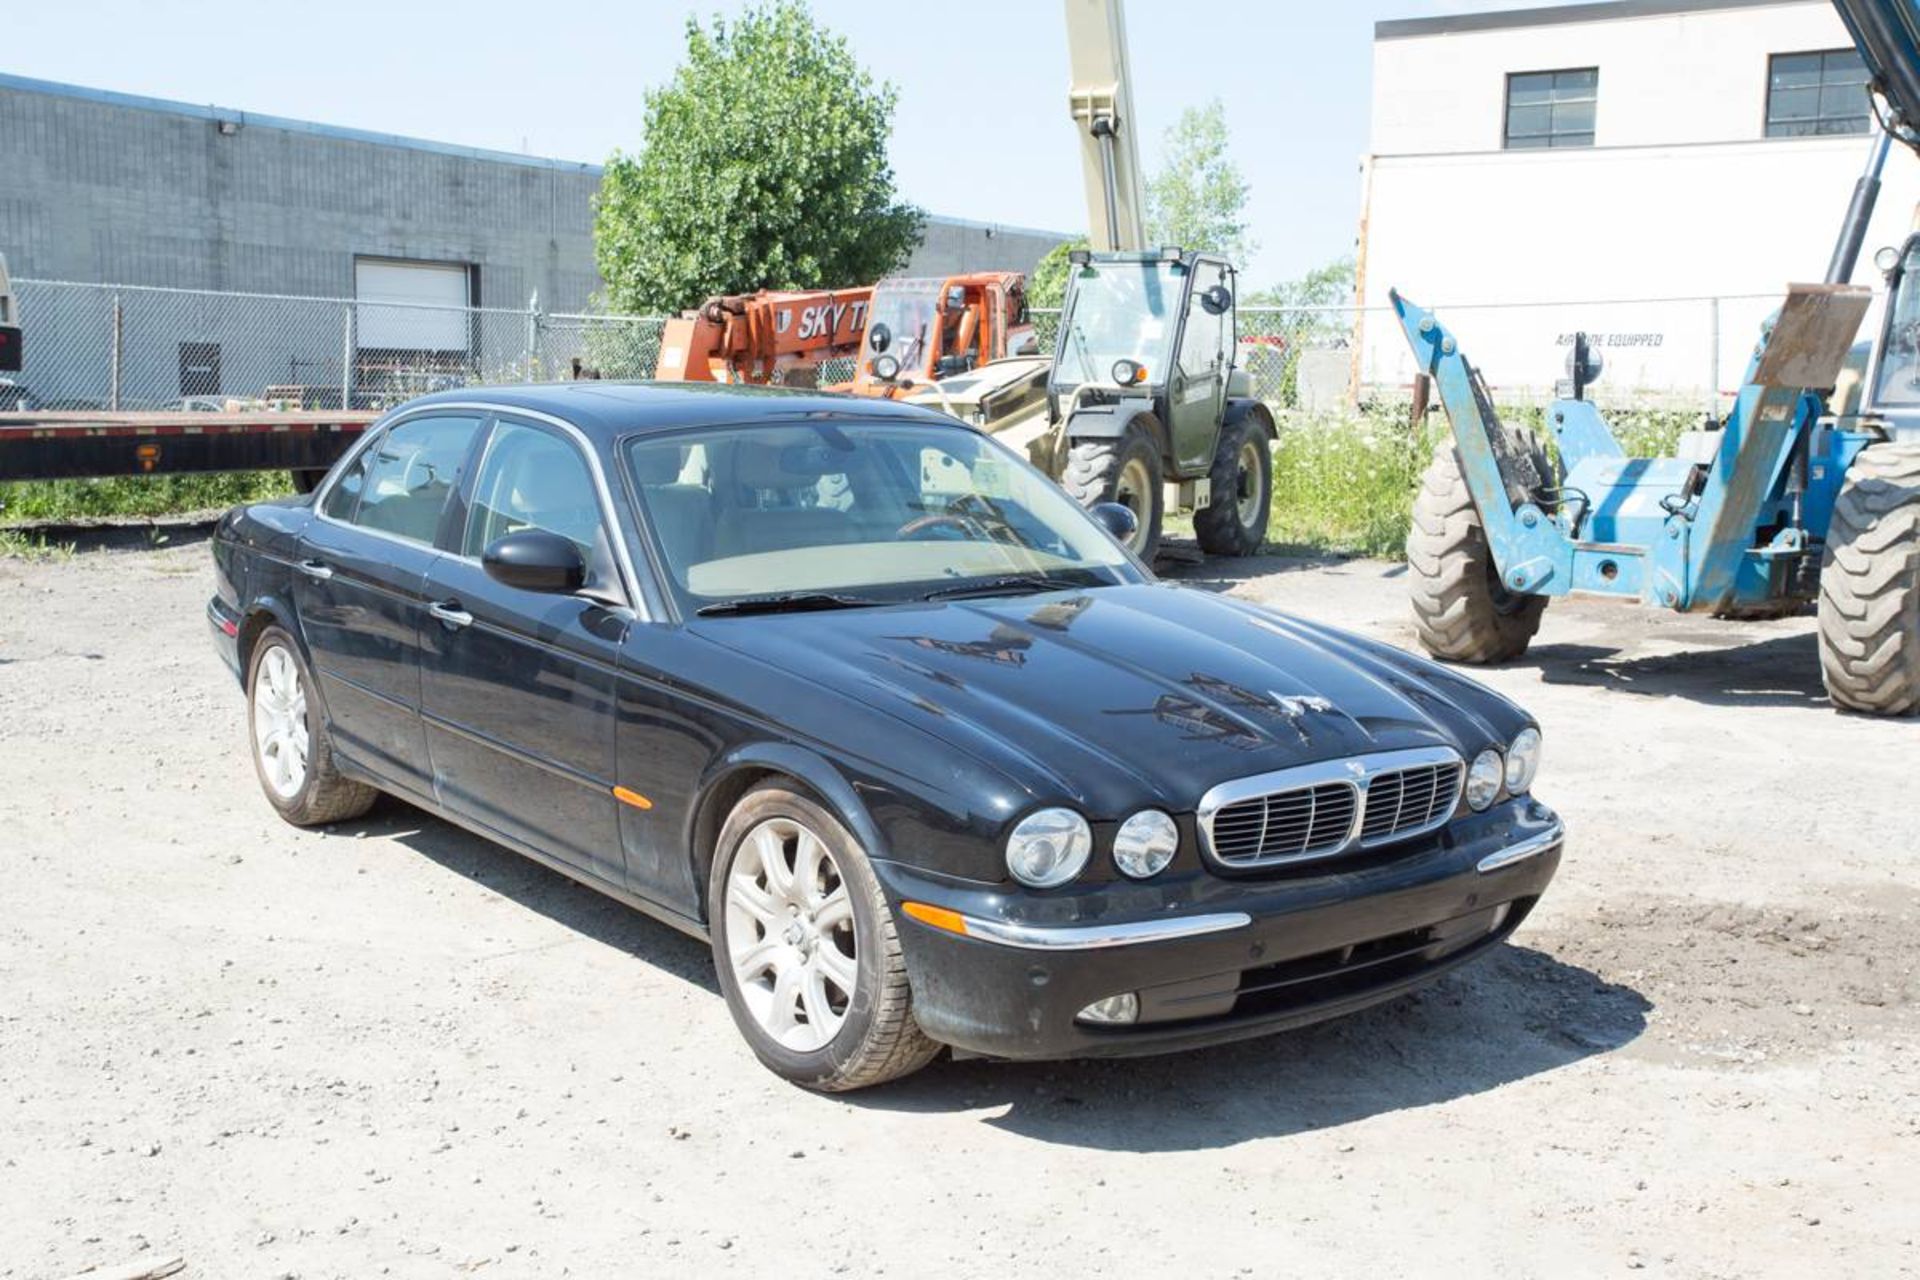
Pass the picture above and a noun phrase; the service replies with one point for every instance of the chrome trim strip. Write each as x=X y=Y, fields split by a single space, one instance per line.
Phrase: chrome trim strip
x=1356 y=772
x=1531 y=847
x=1100 y=936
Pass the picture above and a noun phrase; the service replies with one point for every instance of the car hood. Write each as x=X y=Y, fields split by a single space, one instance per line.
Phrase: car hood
x=1122 y=696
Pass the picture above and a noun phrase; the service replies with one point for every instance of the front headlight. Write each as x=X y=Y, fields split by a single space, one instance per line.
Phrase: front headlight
x=1145 y=844
x=1483 y=780
x=1523 y=760
x=1049 y=847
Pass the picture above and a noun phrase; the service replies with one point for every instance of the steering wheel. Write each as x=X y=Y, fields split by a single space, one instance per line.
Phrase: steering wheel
x=912 y=530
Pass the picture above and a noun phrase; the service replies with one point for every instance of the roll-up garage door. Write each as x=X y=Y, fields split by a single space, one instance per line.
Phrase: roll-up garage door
x=433 y=297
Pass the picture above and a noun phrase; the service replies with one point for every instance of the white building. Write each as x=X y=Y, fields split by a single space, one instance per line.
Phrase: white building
x=1589 y=159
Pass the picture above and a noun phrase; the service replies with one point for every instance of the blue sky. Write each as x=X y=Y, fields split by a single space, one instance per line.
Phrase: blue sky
x=981 y=132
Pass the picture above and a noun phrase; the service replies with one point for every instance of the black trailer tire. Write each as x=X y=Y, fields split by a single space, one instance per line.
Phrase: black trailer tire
x=1234 y=521
x=876 y=1039
x=280 y=704
x=1870 y=585
x=1115 y=471
x=1461 y=612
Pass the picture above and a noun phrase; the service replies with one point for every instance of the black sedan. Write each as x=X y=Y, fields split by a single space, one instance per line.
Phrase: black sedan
x=850 y=690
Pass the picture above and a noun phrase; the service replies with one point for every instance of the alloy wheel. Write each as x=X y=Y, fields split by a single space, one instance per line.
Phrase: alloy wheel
x=280 y=722
x=790 y=934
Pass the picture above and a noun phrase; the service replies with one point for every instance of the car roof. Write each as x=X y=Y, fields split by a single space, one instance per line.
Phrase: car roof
x=611 y=409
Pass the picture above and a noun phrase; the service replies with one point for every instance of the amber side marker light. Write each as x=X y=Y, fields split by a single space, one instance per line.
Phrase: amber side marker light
x=633 y=798
x=937 y=917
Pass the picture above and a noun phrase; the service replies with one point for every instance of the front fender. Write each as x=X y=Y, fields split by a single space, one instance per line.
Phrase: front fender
x=1111 y=421
x=1239 y=409
x=805 y=765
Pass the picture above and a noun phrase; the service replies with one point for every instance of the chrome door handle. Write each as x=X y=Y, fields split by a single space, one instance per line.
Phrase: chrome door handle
x=315 y=569
x=450 y=613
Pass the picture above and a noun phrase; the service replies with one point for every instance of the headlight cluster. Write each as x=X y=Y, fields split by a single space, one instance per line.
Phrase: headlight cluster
x=1051 y=846
x=1515 y=770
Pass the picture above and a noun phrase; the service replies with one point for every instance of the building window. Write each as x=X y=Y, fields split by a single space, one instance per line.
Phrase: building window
x=1551 y=108
x=1816 y=94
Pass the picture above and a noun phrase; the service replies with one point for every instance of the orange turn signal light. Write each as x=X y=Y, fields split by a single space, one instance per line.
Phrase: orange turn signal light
x=633 y=798
x=937 y=917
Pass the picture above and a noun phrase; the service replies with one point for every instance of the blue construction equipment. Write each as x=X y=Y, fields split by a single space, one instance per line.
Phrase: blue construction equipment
x=1782 y=504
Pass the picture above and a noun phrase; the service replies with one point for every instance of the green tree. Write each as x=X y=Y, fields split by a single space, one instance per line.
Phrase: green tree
x=1198 y=200
x=1047 y=288
x=1327 y=286
x=764 y=166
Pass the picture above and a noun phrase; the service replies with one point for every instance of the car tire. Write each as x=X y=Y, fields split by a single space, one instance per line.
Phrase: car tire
x=1234 y=521
x=1461 y=611
x=1115 y=471
x=791 y=891
x=292 y=753
x=1870 y=585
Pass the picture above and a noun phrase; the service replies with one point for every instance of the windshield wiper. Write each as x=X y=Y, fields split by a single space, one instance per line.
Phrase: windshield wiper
x=786 y=602
x=1011 y=584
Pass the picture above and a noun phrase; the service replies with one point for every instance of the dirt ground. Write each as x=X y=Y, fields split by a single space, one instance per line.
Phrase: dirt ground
x=394 y=1049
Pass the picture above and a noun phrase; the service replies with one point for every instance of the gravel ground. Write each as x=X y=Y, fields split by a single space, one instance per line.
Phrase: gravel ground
x=394 y=1049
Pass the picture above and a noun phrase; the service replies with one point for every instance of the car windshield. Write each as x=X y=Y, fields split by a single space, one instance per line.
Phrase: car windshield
x=1119 y=311
x=873 y=511
x=909 y=310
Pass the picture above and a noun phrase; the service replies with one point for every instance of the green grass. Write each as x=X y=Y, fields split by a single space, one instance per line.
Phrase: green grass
x=1345 y=483
x=15 y=545
x=64 y=500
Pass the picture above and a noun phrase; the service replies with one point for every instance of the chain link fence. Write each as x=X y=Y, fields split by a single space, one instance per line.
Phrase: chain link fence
x=92 y=347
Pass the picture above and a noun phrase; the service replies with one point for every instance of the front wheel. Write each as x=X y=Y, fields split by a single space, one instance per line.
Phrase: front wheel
x=1126 y=471
x=1234 y=521
x=806 y=948
x=1870 y=585
x=1461 y=610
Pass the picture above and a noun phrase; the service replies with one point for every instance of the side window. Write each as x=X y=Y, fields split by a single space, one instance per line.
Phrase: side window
x=1206 y=333
x=533 y=479
x=343 y=500
x=409 y=473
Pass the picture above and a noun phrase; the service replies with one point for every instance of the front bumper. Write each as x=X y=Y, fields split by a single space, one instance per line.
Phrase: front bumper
x=1213 y=959
x=223 y=622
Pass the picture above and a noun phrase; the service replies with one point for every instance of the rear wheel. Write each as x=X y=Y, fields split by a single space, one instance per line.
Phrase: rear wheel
x=1461 y=611
x=1234 y=521
x=1870 y=585
x=1126 y=471
x=806 y=948
x=292 y=753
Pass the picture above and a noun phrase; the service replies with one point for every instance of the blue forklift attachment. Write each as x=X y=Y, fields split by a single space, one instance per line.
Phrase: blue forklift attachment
x=1736 y=525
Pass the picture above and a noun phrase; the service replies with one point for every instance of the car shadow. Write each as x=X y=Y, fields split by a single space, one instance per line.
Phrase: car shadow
x=529 y=884
x=1515 y=1013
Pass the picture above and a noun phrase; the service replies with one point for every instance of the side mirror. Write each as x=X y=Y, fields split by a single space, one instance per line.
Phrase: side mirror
x=1216 y=300
x=1117 y=519
x=535 y=560
x=1886 y=257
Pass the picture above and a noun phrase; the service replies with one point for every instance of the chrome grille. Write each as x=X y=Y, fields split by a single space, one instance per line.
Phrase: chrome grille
x=1326 y=808
x=1401 y=801
x=1285 y=825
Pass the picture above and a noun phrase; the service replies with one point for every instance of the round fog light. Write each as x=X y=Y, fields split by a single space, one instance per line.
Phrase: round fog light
x=1113 y=1011
x=1145 y=844
x=1483 y=780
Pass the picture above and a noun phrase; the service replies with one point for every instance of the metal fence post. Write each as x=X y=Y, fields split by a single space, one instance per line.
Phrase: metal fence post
x=346 y=357
x=1713 y=357
x=113 y=371
x=533 y=338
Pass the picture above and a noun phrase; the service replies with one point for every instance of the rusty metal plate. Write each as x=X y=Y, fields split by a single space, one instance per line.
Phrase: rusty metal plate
x=1810 y=340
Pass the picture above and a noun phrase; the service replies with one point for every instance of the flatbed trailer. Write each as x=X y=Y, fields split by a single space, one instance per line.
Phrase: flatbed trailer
x=60 y=445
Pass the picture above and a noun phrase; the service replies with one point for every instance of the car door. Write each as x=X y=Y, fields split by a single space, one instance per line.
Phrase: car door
x=362 y=566
x=1199 y=382
x=517 y=687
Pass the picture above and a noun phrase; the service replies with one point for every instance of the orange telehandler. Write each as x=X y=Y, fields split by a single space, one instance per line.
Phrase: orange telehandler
x=899 y=334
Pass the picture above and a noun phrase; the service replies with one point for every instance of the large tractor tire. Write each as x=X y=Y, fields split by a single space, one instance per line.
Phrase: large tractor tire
x=1234 y=521
x=1126 y=471
x=1461 y=611
x=1870 y=585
